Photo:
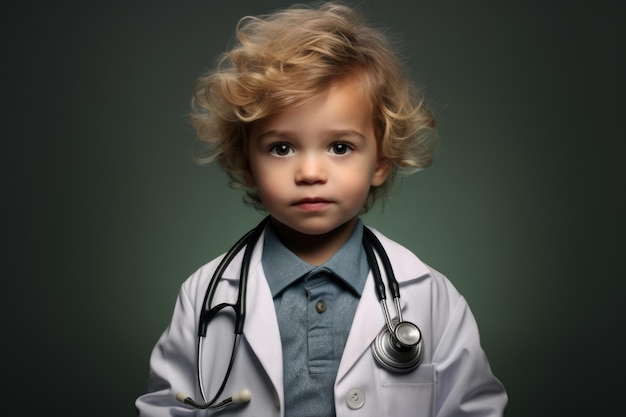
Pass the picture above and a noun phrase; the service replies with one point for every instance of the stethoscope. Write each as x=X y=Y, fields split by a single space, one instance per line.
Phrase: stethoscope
x=398 y=347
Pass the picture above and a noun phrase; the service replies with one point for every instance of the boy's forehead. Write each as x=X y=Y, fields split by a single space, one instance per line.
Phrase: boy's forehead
x=358 y=84
x=341 y=107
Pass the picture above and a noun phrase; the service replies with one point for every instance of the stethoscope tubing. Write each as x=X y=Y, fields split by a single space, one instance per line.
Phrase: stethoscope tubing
x=248 y=241
x=371 y=245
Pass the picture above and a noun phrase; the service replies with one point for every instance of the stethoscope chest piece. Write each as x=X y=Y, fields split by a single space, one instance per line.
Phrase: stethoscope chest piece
x=401 y=352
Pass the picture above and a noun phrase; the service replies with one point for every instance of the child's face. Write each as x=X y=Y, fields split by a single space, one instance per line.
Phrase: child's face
x=314 y=164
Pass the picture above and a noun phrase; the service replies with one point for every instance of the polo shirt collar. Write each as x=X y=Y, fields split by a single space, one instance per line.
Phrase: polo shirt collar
x=283 y=267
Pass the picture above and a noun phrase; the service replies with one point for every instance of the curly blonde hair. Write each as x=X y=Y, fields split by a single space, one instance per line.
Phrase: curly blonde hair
x=282 y=59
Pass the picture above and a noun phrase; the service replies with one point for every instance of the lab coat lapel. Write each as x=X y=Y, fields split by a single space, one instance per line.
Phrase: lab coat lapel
x=369 y=318
x=261 y=326
x=367 y=323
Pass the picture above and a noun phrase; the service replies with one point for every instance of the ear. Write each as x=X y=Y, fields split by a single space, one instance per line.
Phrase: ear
x=382 y=171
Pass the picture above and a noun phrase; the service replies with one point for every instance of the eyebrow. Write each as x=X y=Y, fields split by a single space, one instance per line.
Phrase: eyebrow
x=288 y=134
x=280 y=134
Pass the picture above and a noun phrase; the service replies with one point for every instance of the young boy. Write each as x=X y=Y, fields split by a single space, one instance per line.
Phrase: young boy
x=311 y=114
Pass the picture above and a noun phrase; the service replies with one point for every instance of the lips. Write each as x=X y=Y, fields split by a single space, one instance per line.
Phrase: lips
x=311 y=200
x=312 y=203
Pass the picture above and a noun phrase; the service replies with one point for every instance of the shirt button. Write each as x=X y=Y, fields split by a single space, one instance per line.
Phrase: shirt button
x=356 y=398
x=320 y=307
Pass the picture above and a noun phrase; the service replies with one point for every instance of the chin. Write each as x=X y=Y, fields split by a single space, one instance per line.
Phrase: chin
x=314 y=226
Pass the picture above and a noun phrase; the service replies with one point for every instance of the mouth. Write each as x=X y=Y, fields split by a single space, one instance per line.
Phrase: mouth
x=312 y=204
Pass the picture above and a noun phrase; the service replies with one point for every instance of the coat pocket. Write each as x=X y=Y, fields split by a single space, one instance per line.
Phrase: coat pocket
x=411 y=394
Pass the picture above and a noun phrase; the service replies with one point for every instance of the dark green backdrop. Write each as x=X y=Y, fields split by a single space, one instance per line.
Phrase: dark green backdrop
x=105 y=214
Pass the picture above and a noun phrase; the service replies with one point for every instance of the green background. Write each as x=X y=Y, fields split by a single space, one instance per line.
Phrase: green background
x=105 y=214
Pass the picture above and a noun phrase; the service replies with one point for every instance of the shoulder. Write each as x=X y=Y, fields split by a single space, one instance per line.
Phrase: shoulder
x=196 y=284
x=409 y=268
x=406 y=264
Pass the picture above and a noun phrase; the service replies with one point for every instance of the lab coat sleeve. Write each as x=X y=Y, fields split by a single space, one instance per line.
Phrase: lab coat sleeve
x=466 y=385
x=172 y=361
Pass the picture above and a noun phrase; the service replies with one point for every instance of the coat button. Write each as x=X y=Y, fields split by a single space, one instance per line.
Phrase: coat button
x=320 y=307
x=356 y=398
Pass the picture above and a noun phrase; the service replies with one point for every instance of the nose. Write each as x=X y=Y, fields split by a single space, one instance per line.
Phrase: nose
x=310 y=170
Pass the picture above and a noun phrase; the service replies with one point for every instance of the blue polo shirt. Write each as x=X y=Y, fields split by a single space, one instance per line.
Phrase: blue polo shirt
x=315 y=306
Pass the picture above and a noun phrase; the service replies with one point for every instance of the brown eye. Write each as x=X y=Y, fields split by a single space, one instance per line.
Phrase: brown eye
x=281 y=149
x=340 y=148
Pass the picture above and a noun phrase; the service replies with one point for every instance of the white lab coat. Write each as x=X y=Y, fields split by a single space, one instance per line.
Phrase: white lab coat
x=454 y=378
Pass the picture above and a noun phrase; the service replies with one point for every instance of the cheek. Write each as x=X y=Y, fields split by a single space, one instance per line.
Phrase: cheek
x=357 y=187
x=255 y=172
x=268 y=185
x=363 y=184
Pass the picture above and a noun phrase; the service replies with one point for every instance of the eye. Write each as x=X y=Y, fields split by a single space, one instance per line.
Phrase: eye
x=281 y=149
x=340 y=148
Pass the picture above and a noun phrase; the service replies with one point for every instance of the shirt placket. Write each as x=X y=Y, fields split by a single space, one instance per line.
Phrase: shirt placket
x=320 y=298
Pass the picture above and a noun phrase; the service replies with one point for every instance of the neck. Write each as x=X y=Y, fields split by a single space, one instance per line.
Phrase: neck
x=314 y=249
